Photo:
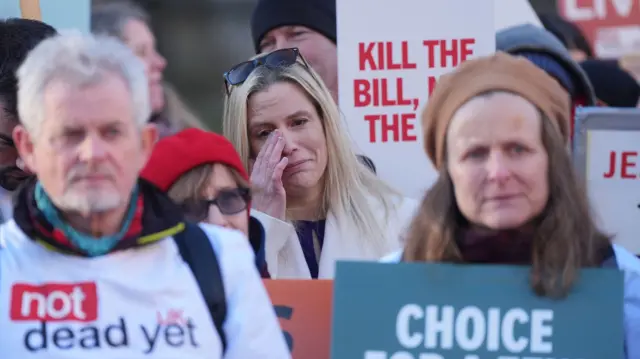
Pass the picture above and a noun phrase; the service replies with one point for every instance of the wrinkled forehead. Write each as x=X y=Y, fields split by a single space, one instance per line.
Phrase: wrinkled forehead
x=95 y=103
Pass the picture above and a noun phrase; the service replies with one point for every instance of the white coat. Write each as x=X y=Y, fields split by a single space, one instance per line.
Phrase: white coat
x=342 y=241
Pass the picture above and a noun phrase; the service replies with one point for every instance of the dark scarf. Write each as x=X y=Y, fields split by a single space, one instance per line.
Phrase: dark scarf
x=511 y=247
x=156 y=217
x=499 y=247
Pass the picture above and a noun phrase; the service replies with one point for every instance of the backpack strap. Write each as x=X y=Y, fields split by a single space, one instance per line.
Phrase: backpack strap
x=196 y=250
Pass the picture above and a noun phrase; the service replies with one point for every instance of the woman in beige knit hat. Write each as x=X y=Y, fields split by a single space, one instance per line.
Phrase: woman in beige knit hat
x=497 y=129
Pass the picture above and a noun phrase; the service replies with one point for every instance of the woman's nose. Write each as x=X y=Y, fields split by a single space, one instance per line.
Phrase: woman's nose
x=216 y=217
x=289 y=143
x=498 y=167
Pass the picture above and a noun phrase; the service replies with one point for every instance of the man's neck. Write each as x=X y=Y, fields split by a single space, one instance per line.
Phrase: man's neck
x=98 y=224
x=307 y=206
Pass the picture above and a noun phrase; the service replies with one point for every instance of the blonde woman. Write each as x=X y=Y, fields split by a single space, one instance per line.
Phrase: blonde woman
x=317 y=201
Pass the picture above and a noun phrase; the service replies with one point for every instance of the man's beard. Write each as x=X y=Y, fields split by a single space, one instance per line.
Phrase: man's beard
x=90 y=201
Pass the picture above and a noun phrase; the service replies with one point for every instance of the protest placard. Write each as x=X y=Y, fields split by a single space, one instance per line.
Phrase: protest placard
x=304 y=310
x=448 y=311
x=606 y=148
x=389 y=59
x=61 y=14
x=514 y=12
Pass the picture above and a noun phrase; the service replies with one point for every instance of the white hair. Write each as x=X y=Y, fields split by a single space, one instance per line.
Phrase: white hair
x=79 y=60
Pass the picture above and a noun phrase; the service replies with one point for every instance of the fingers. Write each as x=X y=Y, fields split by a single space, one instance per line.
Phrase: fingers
x=276 y=151
x=261 y=160
x=279 y=170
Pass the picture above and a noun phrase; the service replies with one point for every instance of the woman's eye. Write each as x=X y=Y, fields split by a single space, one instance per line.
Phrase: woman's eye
x=476 y=153
x=300 y=121
x=517 y=149
x=263 y=134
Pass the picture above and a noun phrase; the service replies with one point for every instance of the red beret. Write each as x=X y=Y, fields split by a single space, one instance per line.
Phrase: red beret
x=176 y=155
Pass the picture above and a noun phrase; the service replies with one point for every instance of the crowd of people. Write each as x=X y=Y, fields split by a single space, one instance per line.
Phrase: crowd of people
x=120 y=207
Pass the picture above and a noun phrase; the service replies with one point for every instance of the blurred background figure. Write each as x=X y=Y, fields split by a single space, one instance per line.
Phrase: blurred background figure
x=614 y=86
x=309 y=25
x=131 y=24
x=17 y=38
x=569 y=34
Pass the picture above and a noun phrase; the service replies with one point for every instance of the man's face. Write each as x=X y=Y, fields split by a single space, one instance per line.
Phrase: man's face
x=88 y=150
x=319 y=51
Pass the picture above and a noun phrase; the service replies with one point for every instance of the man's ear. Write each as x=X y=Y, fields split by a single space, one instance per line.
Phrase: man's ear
x=149 y=137
x=24 y=144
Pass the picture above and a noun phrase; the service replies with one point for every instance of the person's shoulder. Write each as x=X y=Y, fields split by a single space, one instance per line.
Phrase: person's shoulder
x=626 y=260
x=227 y=242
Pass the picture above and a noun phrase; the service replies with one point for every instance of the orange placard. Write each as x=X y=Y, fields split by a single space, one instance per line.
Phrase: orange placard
x=30 y=9
x=304 y=310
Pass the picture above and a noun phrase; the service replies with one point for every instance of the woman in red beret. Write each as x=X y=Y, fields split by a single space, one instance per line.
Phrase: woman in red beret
x=202 y=172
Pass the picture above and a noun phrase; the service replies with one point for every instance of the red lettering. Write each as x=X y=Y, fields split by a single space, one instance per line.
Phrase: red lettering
x=372 y=126
x=458 y=50
x=174 y=316
x=408 y=127
x=432 y=84
x=612 y=165
x=394 y=128
x=376 y=93
x=365 y=55
x=54 y=302
x=627 y=164
x=381 y=56
x=465 y=48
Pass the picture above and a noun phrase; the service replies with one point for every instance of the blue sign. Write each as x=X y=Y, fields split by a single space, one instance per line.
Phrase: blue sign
x=448 y=311
x=61 y=14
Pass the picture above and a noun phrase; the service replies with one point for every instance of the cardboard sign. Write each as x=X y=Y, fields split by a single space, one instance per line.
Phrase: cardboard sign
x=304 y=309
x=606 y=151
x=612 y=26
x=389 y=59
x=438 y=311
x=61 y=14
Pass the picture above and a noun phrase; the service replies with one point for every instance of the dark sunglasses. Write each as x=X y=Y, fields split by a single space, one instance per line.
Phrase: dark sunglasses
x=278 y=58
x=228 y=201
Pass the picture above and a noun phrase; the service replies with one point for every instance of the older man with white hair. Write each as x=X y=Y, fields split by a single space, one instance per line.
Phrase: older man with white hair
x=97 y=263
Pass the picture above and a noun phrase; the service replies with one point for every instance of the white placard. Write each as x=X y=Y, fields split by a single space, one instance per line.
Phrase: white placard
x=514 y=12
x=390 y=54
x=608 y=153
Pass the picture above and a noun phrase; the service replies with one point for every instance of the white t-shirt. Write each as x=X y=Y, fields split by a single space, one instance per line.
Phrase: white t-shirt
x=136 y=303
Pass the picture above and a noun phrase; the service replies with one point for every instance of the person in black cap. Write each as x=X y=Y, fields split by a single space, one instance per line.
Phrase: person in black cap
x=309 y=25
x=614 y=86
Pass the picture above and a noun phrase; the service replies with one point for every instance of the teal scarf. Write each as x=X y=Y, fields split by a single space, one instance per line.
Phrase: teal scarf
x=92 y=246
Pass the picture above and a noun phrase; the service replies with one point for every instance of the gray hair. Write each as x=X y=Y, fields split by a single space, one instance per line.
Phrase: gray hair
x=111 y=18
x=80 y=60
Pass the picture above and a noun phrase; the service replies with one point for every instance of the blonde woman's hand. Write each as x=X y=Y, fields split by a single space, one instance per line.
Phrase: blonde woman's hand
x=266 y=176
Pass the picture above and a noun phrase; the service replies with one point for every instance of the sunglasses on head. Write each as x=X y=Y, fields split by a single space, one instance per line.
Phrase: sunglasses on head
x=278 y=58
x=228 y=201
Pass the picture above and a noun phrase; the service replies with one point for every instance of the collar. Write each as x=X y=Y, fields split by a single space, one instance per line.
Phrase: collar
x=161 y=218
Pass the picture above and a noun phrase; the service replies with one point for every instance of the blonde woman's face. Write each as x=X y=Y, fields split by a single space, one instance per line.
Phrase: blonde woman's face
x=286 y=108
x=223 y=188
x=497 y=161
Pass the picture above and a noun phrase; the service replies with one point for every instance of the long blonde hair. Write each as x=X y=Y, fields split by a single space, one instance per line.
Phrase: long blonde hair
x=348 y=184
